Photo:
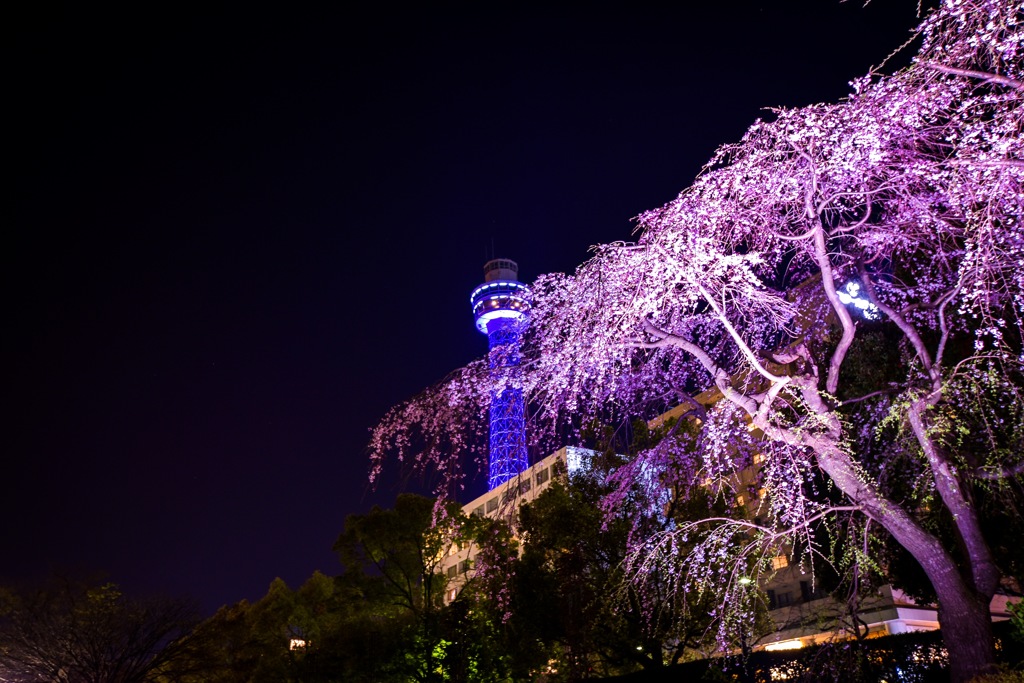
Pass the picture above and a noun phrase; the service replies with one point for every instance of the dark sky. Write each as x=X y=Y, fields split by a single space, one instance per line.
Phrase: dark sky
x=233 y=238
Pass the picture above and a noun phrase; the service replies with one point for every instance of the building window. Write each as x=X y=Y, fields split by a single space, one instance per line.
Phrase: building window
x=452 y=594
x=492 y=504
x=780 y=561
x=525 y=485
x=479 y=511
x=758 y=458
x=740 y=501
x=542 y=476
x=510 y=494
x=463 y=566
x=451 y=571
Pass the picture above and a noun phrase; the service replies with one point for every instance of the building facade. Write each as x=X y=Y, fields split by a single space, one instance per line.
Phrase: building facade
x=504 y=501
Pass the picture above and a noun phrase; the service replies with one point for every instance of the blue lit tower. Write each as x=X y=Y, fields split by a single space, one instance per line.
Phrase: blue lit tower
x=501 y=306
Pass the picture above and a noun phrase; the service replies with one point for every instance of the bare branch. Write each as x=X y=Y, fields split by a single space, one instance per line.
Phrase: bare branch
x=865 y=397
x=794 y=238
x=970 y=73
x=991 y=163
x=996 y=474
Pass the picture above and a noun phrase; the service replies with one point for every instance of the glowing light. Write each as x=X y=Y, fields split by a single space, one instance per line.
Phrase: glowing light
x=851 y=295
x=506 y=285
x=497 y=314
x=794 y=644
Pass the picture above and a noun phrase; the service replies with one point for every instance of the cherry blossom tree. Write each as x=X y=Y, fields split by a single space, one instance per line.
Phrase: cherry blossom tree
x=898 y=209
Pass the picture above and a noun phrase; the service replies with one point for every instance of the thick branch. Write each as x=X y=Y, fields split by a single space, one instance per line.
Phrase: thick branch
x=813 y=189
x=768 y=400
x=664 y=338
x=794 y=238
x=982 y=566
x=722 y=379
x=937 y=563
x=944 y=326
x=747 y=352
x=845 y=319
x=920 y=349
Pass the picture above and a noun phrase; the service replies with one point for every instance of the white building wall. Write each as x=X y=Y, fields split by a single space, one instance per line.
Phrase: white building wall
x=504 y=502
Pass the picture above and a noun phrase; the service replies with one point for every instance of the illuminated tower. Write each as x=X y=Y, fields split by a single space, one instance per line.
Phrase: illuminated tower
x=501 y=306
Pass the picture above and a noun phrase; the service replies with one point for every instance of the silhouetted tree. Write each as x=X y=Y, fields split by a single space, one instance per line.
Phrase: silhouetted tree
x=73 y=632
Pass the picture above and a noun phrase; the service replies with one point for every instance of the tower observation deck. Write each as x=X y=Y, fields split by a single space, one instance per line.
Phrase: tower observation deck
x=501 y=306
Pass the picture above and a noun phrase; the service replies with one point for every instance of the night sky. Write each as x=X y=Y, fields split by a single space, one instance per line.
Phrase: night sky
x=233 y=238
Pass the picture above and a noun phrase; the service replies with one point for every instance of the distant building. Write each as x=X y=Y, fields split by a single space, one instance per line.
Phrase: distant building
x=504 y=502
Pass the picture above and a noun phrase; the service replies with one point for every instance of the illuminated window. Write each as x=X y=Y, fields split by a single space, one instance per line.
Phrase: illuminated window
x=452 y=594
x=296 y=644
x=780 y=561
x=740 y=500
x=758 y=458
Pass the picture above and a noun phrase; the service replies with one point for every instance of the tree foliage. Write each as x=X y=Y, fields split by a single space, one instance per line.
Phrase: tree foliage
x=912 y=190
x=382 y=619
x=328 y=629
x=571 y=593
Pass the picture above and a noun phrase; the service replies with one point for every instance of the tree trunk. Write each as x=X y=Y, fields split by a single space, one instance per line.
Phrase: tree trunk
x=966 y=624
x=964 y=614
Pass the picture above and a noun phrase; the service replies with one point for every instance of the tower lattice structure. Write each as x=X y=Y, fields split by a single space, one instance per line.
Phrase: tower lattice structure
x=501 y=307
